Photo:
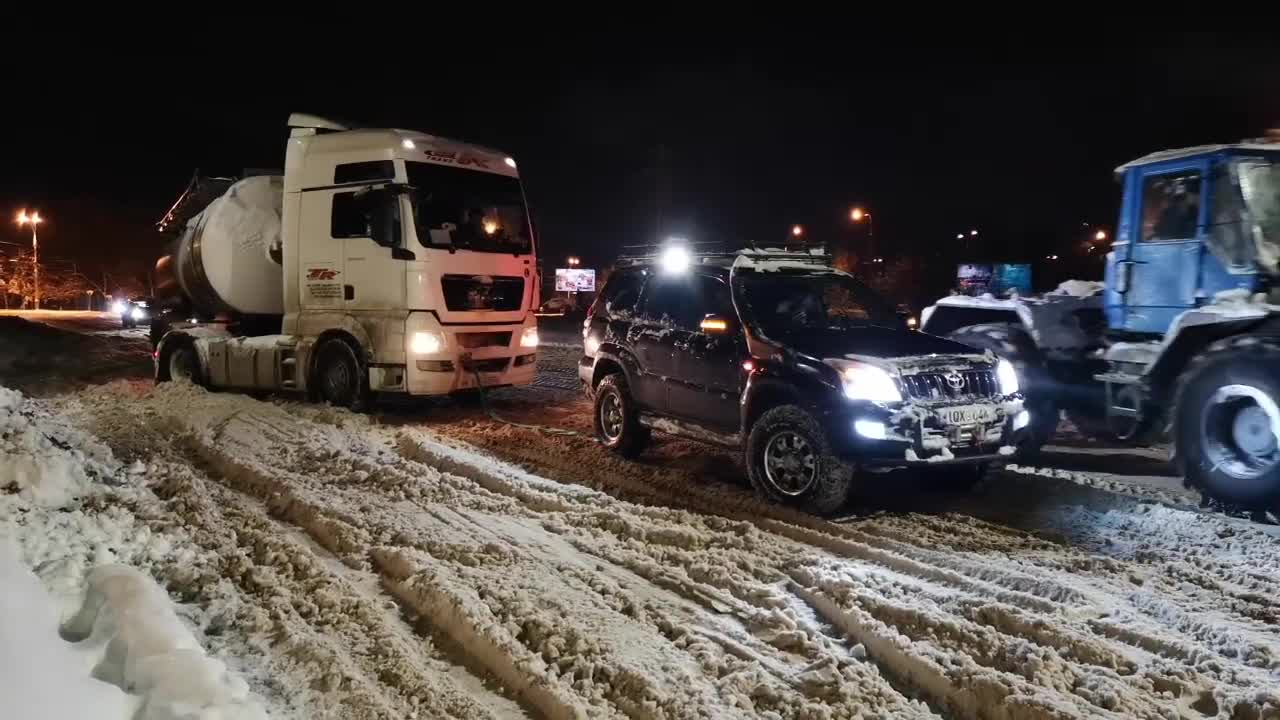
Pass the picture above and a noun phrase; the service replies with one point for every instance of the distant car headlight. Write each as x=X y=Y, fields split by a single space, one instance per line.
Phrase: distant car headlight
x=138 y=314
x=529 y=338
x=426 y=343
x=866 y=382
x=1007 y=377
x=117 y=307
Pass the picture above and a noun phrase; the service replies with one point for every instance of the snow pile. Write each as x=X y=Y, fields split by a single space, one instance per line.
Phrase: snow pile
x=43 y=676
x=44 y=461
x=124 y=639
x=129 y=624
x=1078 y=288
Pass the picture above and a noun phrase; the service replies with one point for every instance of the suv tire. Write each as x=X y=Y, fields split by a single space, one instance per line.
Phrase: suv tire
x=617 y=424
x=789 y=460
x=1015 y=345
x=340 y=377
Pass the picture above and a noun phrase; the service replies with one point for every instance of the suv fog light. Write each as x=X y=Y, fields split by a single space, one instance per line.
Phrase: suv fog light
x=1021 y=420
x=870 y=429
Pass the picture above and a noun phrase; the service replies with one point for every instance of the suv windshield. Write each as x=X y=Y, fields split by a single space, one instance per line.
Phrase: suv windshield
x=780 y=303
x=468 y=209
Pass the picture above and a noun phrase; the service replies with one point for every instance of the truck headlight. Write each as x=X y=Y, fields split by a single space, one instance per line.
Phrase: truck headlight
x=1007 y=377
x=529 y=338
x=866 y=382
x=138 y=313
x=426 y=343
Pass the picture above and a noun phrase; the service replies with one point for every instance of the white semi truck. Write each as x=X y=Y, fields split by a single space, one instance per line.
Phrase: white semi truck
x=382 y=262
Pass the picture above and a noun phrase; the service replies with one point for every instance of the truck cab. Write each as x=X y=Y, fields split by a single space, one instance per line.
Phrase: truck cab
x=1194 y=222
x=383 y=261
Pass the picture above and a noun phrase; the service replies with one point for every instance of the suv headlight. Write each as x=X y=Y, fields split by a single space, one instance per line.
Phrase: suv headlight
x=1007 y=377
x=529 y=338
x=866 y=382
x=426 y=343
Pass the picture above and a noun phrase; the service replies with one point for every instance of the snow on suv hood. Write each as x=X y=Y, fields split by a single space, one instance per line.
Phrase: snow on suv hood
x=872 y=341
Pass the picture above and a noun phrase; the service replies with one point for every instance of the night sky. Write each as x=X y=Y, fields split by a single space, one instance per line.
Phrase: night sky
x=728 y=142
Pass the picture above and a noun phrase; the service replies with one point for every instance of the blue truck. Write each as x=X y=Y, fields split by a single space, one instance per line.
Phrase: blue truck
x=1180 y=342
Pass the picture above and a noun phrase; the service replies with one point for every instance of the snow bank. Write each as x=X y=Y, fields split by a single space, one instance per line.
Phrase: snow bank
x=127 y=621
x=123 y=656
x=43 y=676
x=45 y=464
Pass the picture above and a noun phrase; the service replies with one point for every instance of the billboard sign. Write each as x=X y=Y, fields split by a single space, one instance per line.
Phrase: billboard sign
x=998 y=279
x=575 y=280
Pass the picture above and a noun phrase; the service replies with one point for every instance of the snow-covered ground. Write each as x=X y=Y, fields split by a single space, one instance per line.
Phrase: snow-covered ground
x=176 y=553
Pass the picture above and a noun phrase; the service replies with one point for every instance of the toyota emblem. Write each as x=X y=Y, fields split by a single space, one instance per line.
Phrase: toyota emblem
x=955 y=380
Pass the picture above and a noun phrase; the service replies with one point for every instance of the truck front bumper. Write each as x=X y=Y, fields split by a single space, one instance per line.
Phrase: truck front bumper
x=872 y=435
x=469 y=356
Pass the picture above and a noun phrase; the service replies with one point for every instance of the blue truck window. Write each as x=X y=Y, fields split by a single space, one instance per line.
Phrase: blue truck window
x=1170 y=206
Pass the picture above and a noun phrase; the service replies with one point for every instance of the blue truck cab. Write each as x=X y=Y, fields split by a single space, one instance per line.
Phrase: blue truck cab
x=1193 y=223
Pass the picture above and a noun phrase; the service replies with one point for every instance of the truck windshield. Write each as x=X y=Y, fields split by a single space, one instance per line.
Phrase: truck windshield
x=468 y=209
x=784 y=302
x=1260 y=188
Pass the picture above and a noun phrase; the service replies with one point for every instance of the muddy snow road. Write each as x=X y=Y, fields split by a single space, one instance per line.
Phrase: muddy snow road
x=349 y=566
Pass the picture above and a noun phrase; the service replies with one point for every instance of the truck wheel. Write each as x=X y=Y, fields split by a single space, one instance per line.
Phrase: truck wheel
x=179 y=362
x=340 y=377
x=1016 y=345
x=1228 y=424
x=617 y=423
x=789 y=460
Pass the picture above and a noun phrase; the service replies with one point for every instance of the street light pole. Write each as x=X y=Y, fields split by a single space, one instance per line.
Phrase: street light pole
x=33 y=219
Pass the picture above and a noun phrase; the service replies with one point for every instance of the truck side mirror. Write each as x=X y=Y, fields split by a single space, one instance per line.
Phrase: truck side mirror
x=383 y=216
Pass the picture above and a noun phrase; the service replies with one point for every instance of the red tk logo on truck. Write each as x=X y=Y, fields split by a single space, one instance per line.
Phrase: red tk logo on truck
x=321 y=274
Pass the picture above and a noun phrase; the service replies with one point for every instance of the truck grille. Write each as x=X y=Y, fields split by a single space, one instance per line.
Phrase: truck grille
x=945 y=386
x=482 y=292
x=484 y=339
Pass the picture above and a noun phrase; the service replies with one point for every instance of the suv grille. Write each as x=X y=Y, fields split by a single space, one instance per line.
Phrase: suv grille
x=482 y=292
x=943 y=385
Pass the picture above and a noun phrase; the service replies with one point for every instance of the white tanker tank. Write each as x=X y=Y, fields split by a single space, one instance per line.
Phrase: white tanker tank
x=227 y=258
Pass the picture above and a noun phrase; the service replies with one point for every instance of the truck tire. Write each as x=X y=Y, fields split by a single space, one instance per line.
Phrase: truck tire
x=1016 y=345
x=178 y=361
x=789 y=460
x=1227 y=422
x=617 y=423
x=340 y=376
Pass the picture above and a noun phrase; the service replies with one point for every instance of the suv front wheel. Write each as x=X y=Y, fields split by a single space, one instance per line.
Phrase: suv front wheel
x=789 y=460
x=617 y=423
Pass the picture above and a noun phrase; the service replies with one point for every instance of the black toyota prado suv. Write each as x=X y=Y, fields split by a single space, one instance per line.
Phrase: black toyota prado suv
x=811 y=373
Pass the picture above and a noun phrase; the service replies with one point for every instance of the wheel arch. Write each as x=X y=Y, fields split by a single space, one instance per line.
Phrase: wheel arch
x=761 y=396
x=339 y=334
x=173 y=340
x=609 y=362
x=1191 y=342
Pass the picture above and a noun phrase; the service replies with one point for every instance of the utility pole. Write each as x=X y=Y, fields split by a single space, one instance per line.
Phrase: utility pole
x=33 y=220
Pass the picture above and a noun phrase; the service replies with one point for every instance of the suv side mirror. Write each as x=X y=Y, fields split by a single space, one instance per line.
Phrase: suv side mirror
x=717 y=325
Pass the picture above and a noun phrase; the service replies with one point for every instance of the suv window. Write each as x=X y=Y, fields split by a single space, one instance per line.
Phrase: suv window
x=620 y=294
x=1170 y=206
x=682 y=301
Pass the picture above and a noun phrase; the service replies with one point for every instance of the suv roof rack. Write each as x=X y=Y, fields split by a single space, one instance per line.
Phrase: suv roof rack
x=644 y=254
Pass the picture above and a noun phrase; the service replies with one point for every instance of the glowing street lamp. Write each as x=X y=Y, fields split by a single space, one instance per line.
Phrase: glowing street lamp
x=574 y=261
x=33 y=220
x=1100 y=235
x=857 y=214
x=797 y=231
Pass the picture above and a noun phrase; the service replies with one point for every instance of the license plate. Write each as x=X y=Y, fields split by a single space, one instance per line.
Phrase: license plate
x=967 y=414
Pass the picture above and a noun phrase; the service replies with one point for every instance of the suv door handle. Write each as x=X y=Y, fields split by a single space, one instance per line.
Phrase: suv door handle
x=348 y=292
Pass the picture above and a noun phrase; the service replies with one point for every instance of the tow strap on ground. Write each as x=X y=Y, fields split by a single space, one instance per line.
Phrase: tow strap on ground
x=493 y=415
